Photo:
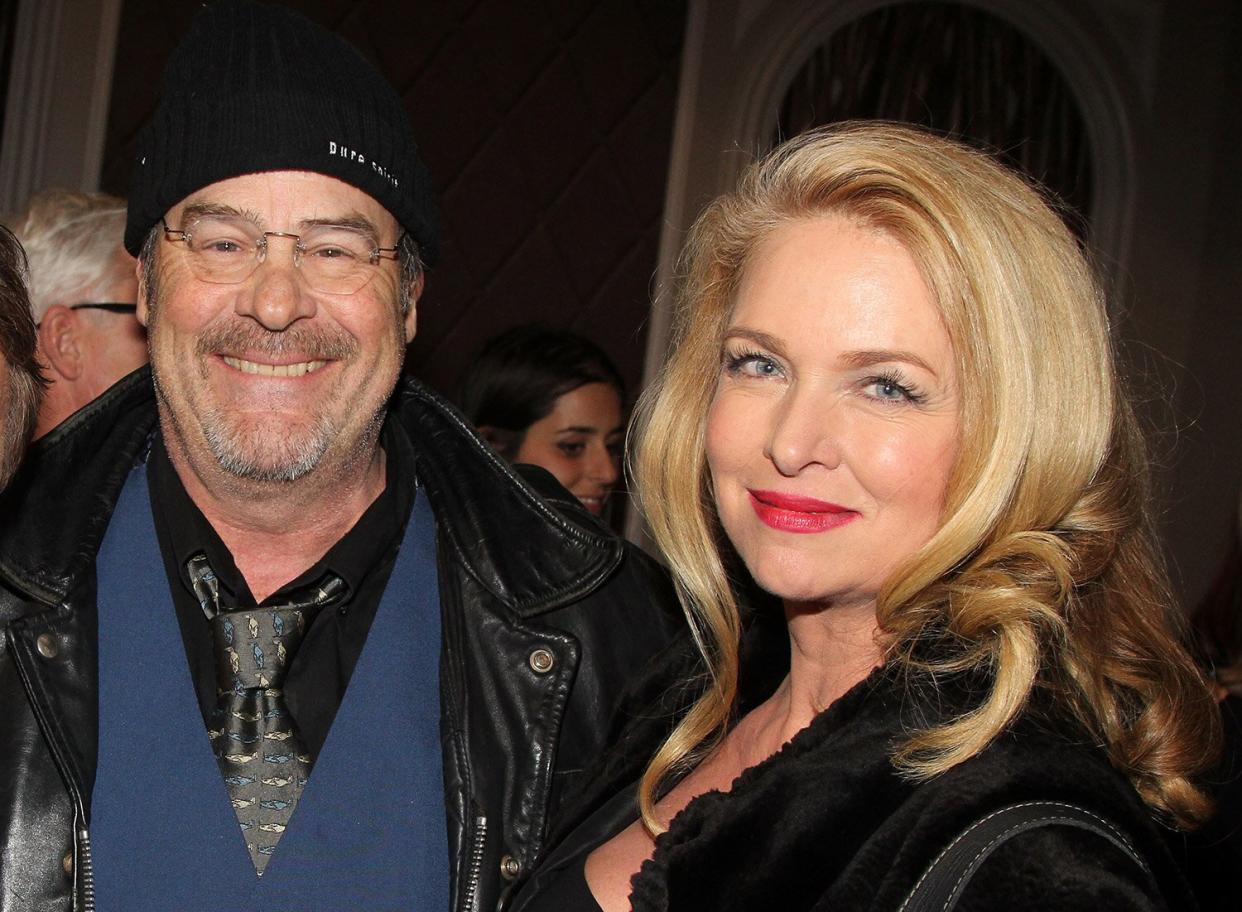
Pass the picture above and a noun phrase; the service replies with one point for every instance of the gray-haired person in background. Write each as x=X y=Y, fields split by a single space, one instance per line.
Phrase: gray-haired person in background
x=20 y=382
x=281 y=631
x=83 y=292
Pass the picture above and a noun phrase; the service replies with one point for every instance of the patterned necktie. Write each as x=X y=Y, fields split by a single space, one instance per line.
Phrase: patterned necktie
x=264 y=763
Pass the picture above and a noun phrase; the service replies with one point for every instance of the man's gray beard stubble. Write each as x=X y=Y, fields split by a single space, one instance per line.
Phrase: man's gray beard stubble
x=234 y=449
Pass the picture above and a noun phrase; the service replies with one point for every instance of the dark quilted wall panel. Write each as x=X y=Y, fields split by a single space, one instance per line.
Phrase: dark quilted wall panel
x=546 y=124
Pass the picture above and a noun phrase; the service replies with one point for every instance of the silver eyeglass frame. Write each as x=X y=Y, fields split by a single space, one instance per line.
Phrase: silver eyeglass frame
x=377 y=253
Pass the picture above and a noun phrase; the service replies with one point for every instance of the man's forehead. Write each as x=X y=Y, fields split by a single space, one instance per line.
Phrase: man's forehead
x=286 y=198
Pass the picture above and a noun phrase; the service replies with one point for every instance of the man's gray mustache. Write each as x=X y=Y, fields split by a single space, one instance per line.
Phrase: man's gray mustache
x=314 y=344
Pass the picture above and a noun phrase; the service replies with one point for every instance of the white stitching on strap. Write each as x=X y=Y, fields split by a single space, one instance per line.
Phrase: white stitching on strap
x=1107 y=824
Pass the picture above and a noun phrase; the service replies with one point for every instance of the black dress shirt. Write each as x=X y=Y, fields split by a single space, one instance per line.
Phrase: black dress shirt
x=364 y=557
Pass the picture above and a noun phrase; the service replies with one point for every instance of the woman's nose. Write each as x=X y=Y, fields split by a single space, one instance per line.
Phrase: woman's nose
x=805 y=430
x=602 y=467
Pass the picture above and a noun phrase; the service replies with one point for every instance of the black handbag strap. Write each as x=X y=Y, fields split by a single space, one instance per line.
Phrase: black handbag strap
x=941 y=885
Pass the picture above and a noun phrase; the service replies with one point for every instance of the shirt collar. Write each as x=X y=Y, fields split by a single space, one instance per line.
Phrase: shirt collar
x=351 y=558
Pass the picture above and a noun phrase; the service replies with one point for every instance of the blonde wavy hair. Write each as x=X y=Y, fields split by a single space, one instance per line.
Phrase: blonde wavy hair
x=1044 y=572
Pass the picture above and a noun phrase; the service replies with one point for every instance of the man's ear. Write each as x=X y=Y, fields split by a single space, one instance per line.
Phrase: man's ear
x=143 y=312
x=59 y=342
x=411 y=312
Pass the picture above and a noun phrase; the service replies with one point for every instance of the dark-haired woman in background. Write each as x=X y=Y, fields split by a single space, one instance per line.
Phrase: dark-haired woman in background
x=892 y=403
x=549 y=397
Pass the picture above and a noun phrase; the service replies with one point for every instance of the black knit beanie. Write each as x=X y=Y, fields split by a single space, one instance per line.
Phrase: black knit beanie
x=259 y=88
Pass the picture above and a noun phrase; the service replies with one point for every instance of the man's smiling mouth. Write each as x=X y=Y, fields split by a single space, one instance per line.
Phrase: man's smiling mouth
x=297 y=369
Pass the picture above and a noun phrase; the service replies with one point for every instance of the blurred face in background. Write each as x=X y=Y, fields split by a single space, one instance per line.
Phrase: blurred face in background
x=4 y=402
x=88 y=340
x=580 y=442
x=20 y=380
x=5 y=436
x=120 y=341
x=12 y=443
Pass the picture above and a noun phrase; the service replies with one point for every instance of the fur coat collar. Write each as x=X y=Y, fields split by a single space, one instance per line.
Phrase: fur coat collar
x=828 y=823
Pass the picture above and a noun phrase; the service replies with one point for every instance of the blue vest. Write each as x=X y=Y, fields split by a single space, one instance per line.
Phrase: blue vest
x=369 y=831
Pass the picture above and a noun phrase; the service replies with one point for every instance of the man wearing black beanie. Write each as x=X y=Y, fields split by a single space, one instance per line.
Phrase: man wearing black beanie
x=280 y=631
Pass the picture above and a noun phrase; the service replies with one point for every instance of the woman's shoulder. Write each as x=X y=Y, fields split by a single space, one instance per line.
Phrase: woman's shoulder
x=1057 y=865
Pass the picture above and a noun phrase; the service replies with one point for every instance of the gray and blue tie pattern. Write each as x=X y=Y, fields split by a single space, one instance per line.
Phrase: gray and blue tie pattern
x=264 y=763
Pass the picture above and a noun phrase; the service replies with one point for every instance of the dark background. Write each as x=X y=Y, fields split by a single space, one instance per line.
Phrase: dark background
x=546 y=125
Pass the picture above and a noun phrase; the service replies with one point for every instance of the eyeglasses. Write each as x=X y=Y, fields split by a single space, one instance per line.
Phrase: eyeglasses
x=115 y=307
x=333 y=259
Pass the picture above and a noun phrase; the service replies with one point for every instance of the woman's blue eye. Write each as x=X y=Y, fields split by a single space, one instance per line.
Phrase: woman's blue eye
x=887 y=389
x=890 y=389
x=752 y=364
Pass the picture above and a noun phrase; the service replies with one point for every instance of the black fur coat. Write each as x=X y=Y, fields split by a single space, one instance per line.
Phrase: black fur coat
x=828 y=824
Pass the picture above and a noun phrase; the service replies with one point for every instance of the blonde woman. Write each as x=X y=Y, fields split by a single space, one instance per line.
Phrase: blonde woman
x=893 y=405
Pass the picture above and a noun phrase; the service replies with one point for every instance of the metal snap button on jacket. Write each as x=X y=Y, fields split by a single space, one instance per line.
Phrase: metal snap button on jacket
x=510 y=867
x=47 y=645
x=542 y=660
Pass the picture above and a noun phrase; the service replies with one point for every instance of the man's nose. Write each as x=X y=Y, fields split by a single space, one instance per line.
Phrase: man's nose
x=278 y=296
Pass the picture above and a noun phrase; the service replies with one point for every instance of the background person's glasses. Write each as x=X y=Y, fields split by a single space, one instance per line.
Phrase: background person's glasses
x=115 y=307
x=333 y=259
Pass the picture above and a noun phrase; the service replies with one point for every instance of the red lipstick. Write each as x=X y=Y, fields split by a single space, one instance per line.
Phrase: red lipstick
x=791 y=513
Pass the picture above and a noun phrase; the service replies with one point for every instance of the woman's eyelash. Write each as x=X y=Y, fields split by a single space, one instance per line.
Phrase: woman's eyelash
x=895 y=381
x=736 y=361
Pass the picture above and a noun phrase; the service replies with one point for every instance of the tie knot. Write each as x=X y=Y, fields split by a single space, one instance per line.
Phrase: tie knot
x=254 y=646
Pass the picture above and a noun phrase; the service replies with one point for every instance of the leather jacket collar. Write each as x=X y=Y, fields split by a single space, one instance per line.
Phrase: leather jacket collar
x=496 y=536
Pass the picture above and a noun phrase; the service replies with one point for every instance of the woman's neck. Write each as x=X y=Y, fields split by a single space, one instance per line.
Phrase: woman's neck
x=831 y=648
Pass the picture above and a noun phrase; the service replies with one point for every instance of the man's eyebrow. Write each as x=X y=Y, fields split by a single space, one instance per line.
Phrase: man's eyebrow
x=354 y=220
x=868 y=357
x=197 y=210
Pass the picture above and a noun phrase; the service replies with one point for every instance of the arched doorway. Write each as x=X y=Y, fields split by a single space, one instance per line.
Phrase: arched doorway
x=958 y=70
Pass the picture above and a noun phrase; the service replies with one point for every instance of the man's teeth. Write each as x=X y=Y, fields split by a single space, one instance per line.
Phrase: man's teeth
x=273 y=370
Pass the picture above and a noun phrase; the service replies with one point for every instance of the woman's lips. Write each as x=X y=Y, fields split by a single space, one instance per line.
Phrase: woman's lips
x=791 y=513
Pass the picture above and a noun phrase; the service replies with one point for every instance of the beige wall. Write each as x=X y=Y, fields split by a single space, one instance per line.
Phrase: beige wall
x=57 y=103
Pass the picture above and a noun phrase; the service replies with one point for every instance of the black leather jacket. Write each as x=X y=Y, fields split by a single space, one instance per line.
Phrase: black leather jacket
x=545 y=616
